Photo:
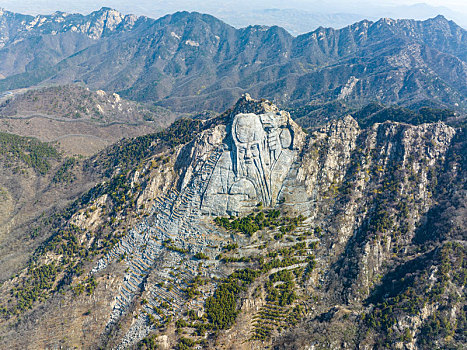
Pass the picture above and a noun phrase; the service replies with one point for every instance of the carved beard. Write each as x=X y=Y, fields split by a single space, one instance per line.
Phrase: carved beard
x=257 y=173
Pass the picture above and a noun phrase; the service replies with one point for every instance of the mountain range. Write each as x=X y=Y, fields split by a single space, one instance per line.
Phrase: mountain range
x=190 y=62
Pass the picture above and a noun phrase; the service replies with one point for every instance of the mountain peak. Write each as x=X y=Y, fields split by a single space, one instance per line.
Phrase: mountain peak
x=247 y=104
x=105 y=9
x=439 y=18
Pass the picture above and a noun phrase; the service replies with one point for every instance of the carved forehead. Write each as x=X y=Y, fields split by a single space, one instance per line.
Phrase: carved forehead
x=247 y=128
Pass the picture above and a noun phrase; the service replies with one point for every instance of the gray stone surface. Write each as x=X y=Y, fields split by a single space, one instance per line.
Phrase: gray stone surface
x=259 y=152
x=227 y=171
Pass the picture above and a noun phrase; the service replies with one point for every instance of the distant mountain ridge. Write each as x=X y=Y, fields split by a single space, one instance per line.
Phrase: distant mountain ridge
x=95 y=25
x=30 y=42
x=190 y=62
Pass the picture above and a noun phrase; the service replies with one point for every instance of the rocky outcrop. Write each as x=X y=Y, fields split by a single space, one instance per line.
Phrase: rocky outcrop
x=48 y=39
x=357 y=186
x=97 y=24
x=259 y=234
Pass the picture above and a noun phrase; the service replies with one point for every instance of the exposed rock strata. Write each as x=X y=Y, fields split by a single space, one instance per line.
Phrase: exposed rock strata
x=341 y=177
x=364 y=195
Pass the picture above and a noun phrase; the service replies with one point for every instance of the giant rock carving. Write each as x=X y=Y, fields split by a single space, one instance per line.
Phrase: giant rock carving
x=248 y=167
x=259 y=153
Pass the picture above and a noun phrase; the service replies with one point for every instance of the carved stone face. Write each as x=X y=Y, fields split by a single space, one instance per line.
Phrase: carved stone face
x=249 y=136
x=261 y=154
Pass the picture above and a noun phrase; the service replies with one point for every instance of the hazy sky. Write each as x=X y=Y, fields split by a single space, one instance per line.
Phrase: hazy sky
x=228 y=9
x=47 y=6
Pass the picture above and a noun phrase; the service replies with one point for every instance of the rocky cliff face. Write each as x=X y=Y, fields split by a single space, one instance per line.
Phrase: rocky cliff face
x=95 y=25
x=252 y=233
x=34 y=42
